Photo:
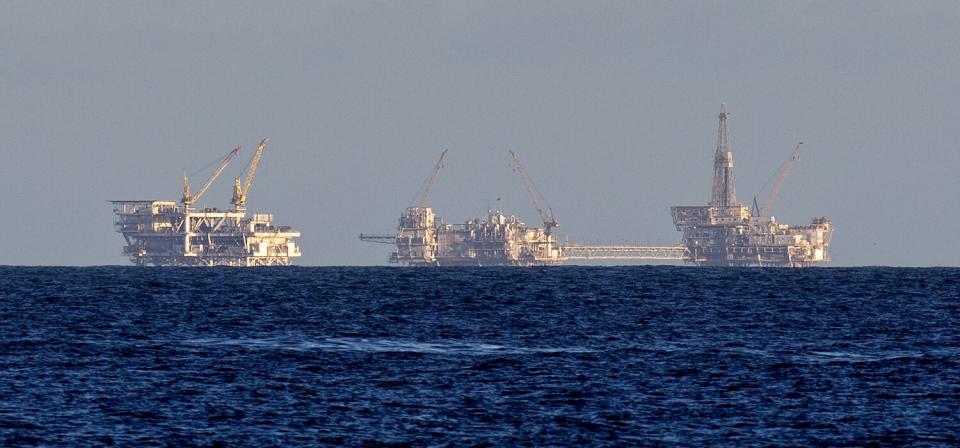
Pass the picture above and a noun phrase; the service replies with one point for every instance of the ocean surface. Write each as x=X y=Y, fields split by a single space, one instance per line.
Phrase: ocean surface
x=597 y=356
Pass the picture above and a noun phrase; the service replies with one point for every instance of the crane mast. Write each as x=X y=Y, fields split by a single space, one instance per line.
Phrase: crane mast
x=781 y=177
x=421 y=200
x=549 y=222
x=189 y=199
x=239 y=200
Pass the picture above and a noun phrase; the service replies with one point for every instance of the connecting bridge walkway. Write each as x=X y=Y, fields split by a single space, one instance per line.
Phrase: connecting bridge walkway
x=583 y=252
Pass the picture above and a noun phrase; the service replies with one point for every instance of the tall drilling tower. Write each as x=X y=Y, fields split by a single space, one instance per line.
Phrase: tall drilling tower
x=726 y=233
x=723 y=194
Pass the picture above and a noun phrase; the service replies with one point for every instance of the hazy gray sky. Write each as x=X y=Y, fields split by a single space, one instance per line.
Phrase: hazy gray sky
x=611 y=105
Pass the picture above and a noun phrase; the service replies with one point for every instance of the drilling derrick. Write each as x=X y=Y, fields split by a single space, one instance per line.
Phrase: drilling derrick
x=723 y=194
x=726 y=233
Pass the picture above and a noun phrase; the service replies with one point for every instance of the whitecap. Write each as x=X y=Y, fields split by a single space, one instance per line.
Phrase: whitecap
x=380 y=346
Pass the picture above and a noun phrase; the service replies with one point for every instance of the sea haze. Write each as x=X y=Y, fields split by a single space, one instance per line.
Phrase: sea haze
x=541 y=356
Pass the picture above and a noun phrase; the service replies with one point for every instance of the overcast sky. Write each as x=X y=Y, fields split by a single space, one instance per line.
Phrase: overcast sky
x=611 y=105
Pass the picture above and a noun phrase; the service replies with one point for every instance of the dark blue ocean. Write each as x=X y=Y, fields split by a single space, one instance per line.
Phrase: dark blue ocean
x=653 y=356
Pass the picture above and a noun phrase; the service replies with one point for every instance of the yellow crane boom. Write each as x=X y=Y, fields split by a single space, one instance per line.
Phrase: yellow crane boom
x=428 y=185
x=189 y=199
x=240 y=191
x=549 y=222
x=781 y=176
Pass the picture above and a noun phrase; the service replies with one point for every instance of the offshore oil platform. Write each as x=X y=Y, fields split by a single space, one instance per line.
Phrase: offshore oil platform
x=164 y=233
x=423 y=239
x=722 y=233
x=728 y=233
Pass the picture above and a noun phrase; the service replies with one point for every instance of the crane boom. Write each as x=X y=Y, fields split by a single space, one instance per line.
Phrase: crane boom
x=428 y=185
x=189 y=199
x=549 y=222
x=240 y=191
x=781 y=176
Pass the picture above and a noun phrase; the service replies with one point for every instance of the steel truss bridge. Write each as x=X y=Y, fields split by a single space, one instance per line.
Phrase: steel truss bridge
x=381 y=238
x=623 y=252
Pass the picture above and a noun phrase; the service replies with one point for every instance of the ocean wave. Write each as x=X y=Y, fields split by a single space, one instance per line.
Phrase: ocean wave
x=380 y=346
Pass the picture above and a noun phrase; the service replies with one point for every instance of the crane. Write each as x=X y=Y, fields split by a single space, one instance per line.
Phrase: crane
x=239 y=200
x=780 y=177
x=189 y=199
x=549 y=222
x=421 y=200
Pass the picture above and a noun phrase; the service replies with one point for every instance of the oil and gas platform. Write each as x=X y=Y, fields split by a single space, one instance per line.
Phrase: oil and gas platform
x=423 y=239
x=728 y=233
x=721 y=233
x=165 y=233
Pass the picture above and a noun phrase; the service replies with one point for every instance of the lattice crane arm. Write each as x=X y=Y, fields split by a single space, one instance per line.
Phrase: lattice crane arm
x=189 y=199
x=781 y=177
x=431 y=180
x=549 y=221
x=240 y=191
